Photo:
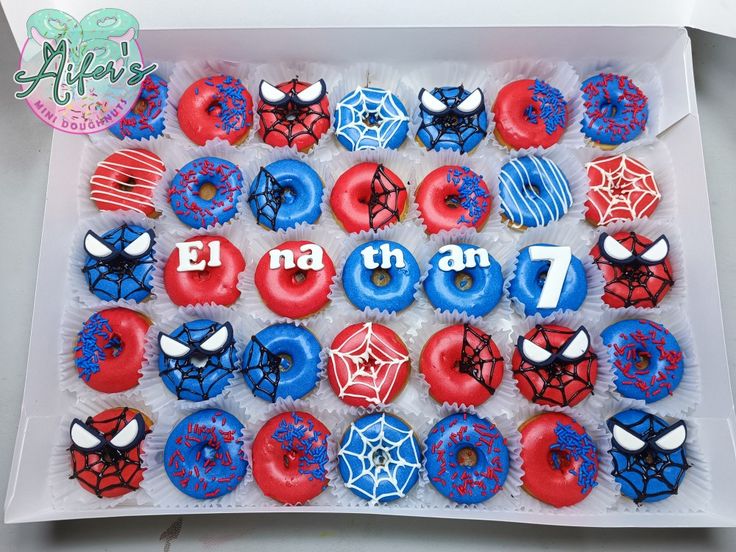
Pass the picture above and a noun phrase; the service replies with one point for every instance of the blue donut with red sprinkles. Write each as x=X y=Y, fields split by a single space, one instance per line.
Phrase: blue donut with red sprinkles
x=467 y=459
x=206 y=192
x=204 y=456
x=146 y=118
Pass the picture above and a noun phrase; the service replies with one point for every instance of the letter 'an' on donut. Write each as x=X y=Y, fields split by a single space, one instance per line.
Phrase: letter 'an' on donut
x=559 y=459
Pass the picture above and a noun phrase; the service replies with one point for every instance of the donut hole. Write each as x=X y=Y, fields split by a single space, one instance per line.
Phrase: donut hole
x=288 y=458
x=207 y=191
x=198 y=360
x=287 y=362
x=609 y=109
x=452 y=201
x=288 y=194
x=140 y=107
x=463 y=281
x=372 y=119
x=128 y=185
x=541 y=278
x=559 y=459
x=380 y=277
x=650 y=458
x=531 y=189
x=201 y=275
x=115 y=345
x=642 y=361
x=379 y=457
x=298 y=277
x=467 y=457
x=291 y=116
x=214 y=109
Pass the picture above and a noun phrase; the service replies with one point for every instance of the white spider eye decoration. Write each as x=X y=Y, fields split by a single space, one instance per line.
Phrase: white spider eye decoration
x=313 y=93
x=430 y=103
x=130 y=435
x=270 y=94
x=171 y=347
x=95 y=247
x=83 y=438
x=673 y=438
x=472 y=103
x=614 y=250
x=217 y=340
x=533 y=353
x=656 y=252
x=577 y=346
x=626 y=440
x=139 y=246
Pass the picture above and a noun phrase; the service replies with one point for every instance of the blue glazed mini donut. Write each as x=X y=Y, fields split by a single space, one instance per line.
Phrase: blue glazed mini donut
x=465 y=278
x=204 y=457
x=646 y=359
x=467 y=458
x=197 y=359
x=452 y=118
x=533 y=192
x=286 y=193
x=146 y=119
x=119 y=264
x=616 y=110
x=548 y=278
x=381 y=275
x=282 y=361
x=379 y=458
x=205 y=192
x=370 y=118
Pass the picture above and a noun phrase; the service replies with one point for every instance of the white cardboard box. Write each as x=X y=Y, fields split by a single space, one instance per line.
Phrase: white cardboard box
x=375 y=35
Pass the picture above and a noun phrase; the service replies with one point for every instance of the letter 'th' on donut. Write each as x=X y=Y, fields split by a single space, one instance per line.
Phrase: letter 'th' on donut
x=294 y=279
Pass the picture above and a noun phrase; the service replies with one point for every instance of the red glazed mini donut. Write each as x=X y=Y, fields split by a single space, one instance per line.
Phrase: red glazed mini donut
x=453 y=197
x=125 y=181
x=216 y=107
x=559 y=459
x=563 y=381
x=204 y=272
x=637 y=270
x=368 y=196
x=462 y=365
x=287 y=120
x=290 y=457
x=110 y=348
x=369 y=365
x=529 y=113
x=294 y=278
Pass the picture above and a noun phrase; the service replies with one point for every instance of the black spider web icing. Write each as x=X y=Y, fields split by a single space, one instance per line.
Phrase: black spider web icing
x=272 y=196
x=384 y=199
x=290 y=116
x=269 y=366
x=559 y=374
x=185 y=371
x=472 y=362
x=451 y=123
x=99 y=463
x=638 y=463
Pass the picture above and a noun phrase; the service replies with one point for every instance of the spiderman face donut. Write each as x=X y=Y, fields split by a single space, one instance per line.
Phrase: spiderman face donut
x=462 y=365
x=529 y=113
x=125 y=181
x=216 y=107
x=636 y=269
x=204 y=269
x=554 y=365
x=293 y=113
x=648 y=455
x=146 y=119
x=453 y=197
x=106 y=451
x=616 y=110
x=197 y=359
x=452 y=118
x=368 y=365
x=119 y=263
x=622 y=189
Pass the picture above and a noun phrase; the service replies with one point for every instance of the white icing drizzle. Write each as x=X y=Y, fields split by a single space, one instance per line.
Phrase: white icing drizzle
x=107 y=189
x=367 y=368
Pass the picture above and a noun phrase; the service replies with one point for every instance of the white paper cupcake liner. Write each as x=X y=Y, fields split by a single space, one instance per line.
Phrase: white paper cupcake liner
x=187 y=72
x=556 y=73
x=67 y=493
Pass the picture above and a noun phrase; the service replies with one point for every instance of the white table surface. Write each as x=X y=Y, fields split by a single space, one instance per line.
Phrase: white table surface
x=24 y=157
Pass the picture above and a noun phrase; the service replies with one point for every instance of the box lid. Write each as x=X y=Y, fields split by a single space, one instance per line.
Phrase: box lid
x=718 y=16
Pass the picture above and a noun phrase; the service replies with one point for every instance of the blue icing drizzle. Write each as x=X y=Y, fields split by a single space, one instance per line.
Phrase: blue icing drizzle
x=521 y=203
x=291 y=435
x=553 y=106
x=95 y=327
x=370 y=118
x=579 y=447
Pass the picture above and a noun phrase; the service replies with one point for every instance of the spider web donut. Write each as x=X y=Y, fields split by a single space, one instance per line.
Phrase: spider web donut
x=269 y=366
x=268 y=209
x=361 y=136
x=371 y=371
x=384 y=199
x=473 y=362
x=398 y=447
x=621 y=189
